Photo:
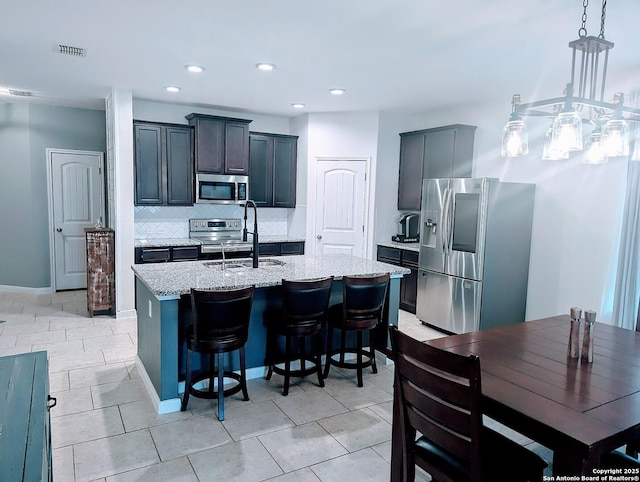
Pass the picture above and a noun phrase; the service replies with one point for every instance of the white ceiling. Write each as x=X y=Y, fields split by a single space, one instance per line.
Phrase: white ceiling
x=409 y=55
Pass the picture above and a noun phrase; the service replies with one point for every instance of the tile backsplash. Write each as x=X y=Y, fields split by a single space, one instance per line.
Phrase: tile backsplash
x=173 y=221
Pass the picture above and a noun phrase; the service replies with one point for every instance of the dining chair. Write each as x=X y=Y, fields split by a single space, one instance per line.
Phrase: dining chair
x=440 y=394
x=304 y=312
x=634 y=447
x=221 y=325
x=361 y=310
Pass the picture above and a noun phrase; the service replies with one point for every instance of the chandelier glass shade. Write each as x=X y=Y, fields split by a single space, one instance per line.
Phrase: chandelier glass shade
x=594 y=154
x=582 y=104
x=551 y=149
x=515 y=139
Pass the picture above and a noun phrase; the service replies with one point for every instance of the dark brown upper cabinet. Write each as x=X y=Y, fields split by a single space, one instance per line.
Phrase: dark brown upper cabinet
x=163 y=164
x=430 y=154
x=221 y=144
x=273 y=169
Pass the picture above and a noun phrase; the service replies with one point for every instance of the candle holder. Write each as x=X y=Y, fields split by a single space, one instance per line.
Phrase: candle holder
x=587 y=340
x=573 y=349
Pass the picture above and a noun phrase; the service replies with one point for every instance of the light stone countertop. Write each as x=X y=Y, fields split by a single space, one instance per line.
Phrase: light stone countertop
x=165 y=242
x=408 y=246
x=170 y=280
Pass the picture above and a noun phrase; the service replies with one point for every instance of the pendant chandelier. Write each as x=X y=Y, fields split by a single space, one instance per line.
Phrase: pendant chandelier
x=582 y=103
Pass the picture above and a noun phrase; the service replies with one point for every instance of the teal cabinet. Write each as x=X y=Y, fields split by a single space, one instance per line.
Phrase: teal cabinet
x=25 y=432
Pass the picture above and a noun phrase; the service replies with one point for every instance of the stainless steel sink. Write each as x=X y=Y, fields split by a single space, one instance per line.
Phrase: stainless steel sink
x=244 y=264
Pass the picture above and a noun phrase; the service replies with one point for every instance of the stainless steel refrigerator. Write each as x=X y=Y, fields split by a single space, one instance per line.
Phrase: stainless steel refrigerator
x=475 y=240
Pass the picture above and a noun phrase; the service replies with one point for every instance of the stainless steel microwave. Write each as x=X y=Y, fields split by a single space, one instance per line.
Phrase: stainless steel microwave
x=221 y=189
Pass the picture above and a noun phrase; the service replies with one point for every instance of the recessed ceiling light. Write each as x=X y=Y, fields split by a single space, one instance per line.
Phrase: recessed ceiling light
x=297 y=106
x=265 y=66
x=196 y=69
x=337 y=91
x=172 y=88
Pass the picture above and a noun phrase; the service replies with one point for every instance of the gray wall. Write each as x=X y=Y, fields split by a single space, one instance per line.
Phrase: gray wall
x=26 y=131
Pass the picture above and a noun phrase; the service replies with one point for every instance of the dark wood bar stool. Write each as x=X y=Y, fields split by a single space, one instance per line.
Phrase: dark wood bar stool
x=221 y=325
x=362 y=306
x=304 y=312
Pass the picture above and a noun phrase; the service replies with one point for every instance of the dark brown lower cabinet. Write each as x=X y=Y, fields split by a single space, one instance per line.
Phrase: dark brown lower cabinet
x=409 y=282
x=286 y=248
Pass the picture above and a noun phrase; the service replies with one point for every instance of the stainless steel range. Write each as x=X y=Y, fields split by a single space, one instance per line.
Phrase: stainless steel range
x=220 y=236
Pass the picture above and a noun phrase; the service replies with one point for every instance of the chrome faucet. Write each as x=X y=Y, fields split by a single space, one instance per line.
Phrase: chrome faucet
x=254 y=254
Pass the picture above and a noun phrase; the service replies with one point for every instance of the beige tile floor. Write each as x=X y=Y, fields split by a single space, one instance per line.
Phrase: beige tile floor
x=105 y=428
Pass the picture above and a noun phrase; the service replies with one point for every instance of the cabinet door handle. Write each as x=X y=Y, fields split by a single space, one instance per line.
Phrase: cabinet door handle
x=319 y=236
x=59 y=230
x=51 y=402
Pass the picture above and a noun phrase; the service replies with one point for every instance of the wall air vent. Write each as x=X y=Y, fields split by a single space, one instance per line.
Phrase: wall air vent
x=20 y=93
x=69 y=50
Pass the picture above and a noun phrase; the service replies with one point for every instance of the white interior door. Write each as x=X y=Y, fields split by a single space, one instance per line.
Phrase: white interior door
x=76 y=195
x=340 y=206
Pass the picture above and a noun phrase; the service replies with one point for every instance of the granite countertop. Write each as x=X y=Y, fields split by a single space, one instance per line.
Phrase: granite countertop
x=408 y=246
x=278 y=239
x=170 y=280
x=164 y=242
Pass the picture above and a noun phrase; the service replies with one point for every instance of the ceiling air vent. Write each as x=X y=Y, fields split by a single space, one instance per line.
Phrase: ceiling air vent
x=20 y=93
x=69 y=50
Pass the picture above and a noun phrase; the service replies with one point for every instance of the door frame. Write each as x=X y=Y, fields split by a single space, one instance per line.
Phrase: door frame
x=50 y=152
x=369 y=185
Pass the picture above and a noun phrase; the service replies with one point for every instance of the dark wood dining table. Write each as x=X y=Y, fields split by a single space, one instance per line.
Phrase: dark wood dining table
x=579 y=410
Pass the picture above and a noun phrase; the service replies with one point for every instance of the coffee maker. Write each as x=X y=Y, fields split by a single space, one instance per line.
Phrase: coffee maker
x=409 y=229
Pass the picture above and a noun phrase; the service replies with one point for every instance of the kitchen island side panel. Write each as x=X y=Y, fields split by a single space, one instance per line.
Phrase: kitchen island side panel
x=158 y=340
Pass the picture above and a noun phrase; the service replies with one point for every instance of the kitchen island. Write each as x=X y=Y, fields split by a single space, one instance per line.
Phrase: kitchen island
x=164 y=309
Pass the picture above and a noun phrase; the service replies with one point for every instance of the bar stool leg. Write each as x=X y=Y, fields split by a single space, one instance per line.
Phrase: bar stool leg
x=343 y=344
x=319 y=359
x=221 y=386
x=372 y=350
x=287 y=365
x=187 y=383
x=359 y=356
x=303 y=351
x=243 y=374
x=271 y=339
x=327 y=361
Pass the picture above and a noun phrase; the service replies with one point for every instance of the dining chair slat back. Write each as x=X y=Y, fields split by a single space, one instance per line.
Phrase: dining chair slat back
x=440 y=397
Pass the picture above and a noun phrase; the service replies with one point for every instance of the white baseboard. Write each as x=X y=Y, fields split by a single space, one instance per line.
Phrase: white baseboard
x=47 y=290
x=126 y=314
x=162 y=406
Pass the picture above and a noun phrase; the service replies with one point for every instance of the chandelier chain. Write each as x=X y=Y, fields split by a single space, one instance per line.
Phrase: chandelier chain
x=582 y=32
x=602 y=18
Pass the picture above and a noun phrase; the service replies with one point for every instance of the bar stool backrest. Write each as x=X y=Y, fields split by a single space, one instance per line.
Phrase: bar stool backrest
x=364 y=297
x=306 y=302
x=221 y=315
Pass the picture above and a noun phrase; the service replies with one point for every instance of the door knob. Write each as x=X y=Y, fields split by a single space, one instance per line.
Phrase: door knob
x=319 y=236
x=59 y=230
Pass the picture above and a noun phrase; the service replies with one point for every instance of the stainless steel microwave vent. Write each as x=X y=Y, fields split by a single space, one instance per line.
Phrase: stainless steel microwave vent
x=74 y=51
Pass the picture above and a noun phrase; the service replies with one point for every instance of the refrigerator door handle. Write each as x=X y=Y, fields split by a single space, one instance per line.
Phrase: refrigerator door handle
x=443 y=221
x=447 y=230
